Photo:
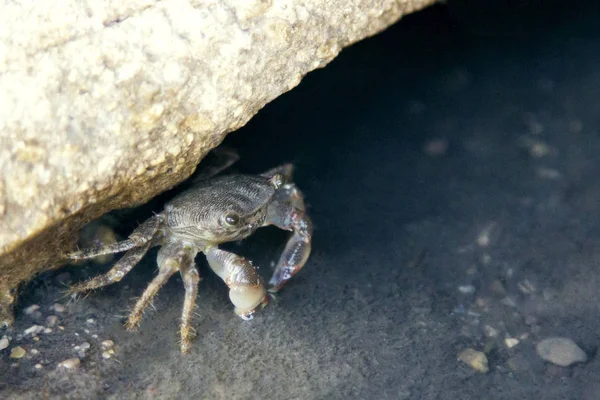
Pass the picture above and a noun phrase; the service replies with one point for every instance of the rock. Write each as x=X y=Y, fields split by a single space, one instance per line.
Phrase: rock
x=59 y=308
x=31 y=309
x=51 y=321
x=475 y=359
x=107 y=344
x=511 y=342
x=33 y=330
x=105 y=107
x=17 y=352
x=4 y=342
x=71 y=363
x=560 y=351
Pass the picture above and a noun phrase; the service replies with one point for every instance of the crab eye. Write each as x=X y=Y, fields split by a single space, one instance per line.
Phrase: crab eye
x=230 y=220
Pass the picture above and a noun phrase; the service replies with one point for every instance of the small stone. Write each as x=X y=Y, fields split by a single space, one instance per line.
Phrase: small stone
x=85 y=346
x=4 y=342
x=33 y=330
x=59 y=308
x=94 y=336
x=509 y=301
x=498 y=288
x=90 y=321
x=511 y=342
x=527 y=287
x=38 y=366
x=34 y=351
x=490 y=331
x=47 y=330
x=106 y=355
x=560 y=351
x=17 y=352
x=31 y=309
x=51 y=321
x=108 y=344
x=475 y=359
x=466 y=289
x=71 y=363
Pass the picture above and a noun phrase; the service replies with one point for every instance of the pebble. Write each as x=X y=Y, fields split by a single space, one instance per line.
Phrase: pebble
x=34 y=351
x=466 y=289
x=33 y=330
x=17 y=352
x=498 y=288
x=51 y=321
x=511 y=342
x=38 y=366
x=59 y=308
x=560 y=351
x=4 y=342
x=31 y=309
x=508 y=301
x=71 y=363
x=106 y=355
x=475 y=359
x=490 y=331
x=108 y=344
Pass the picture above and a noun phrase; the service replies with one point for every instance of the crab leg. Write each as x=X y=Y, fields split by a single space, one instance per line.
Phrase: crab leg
x=116 y=273
x=190 y=280
x=143 y=234
x=170 y=258
x=284 y=170
x=296 y=252
x=246 y=288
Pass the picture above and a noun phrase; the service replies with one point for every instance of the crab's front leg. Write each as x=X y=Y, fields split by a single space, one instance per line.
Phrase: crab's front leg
x=171 y=258
x=246 y=289
x=289 y=215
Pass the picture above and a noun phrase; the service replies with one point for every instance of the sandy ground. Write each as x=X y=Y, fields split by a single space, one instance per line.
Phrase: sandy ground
x=454 y=187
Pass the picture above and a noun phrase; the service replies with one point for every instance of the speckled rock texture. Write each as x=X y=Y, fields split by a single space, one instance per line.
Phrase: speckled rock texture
x=103 y=105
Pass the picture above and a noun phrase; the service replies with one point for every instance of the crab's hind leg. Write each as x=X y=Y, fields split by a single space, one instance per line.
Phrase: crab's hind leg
x=288 y=213
x=170 y=257
x=190 y=280
x=142 y=235
x=116 y=273
x=246 y=289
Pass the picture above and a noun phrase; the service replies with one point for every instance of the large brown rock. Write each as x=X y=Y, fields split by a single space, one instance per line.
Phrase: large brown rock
x=104 y=105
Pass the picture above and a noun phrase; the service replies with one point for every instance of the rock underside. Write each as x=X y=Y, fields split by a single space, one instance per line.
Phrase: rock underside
x=105 y=105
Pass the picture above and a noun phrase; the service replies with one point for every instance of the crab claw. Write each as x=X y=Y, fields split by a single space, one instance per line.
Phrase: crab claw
x=246 y=289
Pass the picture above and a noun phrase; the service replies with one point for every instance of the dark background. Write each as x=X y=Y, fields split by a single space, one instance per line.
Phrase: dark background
x=457 y=149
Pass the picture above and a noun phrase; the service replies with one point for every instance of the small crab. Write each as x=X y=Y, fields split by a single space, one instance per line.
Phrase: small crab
x=219 y=210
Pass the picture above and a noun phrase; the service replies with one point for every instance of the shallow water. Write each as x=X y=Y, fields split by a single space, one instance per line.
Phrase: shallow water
x=451 y=173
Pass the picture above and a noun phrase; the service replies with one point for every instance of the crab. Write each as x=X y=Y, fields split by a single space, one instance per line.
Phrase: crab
x=221 y=209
